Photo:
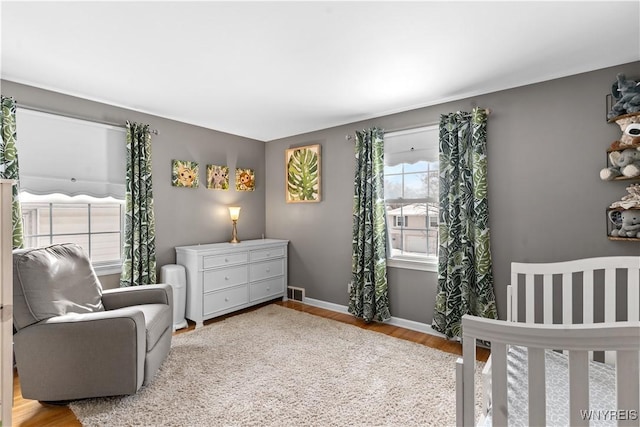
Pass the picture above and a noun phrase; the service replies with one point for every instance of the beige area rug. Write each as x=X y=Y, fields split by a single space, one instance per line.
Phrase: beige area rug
x=280 y=367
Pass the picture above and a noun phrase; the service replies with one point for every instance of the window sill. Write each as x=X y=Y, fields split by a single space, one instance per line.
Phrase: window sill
x=106 y=269
x=413 y=264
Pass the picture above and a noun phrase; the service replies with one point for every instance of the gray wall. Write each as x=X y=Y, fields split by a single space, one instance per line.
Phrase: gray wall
x=183 y=216
x=546 y=146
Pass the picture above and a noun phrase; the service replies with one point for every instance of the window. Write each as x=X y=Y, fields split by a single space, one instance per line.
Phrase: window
x=411 y=197
x=72 y=185
x=401 y=221
x=94 y=224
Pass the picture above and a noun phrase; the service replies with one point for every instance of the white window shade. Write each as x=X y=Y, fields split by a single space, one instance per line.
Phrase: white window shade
x=411 y=146
x=58 y=154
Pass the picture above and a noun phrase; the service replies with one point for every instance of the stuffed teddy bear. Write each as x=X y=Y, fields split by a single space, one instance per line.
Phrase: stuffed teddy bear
x=627 y=96
x=630 y=127
x=629 y=224
x=623 y=163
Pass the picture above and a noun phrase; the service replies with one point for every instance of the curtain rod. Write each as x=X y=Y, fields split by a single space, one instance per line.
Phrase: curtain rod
x=72 y=116
x=349 y=137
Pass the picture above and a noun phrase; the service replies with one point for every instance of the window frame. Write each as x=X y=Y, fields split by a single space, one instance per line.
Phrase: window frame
x=101 y=267
x=409 y=261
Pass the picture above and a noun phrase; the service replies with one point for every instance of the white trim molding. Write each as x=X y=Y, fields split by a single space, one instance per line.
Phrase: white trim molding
x=395 y=321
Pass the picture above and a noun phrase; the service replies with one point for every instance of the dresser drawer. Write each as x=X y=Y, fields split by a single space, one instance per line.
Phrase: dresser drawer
x=222 y=300
x=267 y=288
x=269 y=253
x=213 y=261
x=266 y=269
x=224 y=278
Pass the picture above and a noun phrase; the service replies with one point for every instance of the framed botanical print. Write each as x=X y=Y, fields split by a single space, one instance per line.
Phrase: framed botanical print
x=302 y=174
x=184 y=173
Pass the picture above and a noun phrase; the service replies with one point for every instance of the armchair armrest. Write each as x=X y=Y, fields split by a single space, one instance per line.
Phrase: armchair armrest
x=113 y=299
x=77 y=355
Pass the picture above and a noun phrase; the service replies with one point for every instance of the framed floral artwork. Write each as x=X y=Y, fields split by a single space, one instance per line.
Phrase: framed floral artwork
x=245 y=180
x=184 y=173
x=302 y=174
x=217 y=177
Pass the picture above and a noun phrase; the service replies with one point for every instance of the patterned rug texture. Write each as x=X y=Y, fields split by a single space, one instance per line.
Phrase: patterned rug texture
x=276 y=366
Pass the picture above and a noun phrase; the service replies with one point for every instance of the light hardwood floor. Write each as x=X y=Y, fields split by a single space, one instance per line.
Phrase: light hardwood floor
x=31 y=413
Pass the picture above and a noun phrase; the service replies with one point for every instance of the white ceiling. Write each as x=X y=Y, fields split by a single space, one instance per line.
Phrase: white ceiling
x=267 y=70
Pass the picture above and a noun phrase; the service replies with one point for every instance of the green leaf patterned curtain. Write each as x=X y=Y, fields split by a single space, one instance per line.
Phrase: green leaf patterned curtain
x=369 y=297
x=9 y=163
x=139 y=265
x=465 y=275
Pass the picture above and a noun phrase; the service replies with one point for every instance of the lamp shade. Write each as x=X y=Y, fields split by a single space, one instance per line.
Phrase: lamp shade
x=234 y=212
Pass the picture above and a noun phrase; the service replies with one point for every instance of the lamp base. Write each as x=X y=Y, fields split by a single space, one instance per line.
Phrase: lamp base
x=234 y=233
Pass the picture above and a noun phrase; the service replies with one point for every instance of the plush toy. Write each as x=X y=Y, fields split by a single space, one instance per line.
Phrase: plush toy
x=623 y=163
x=627 y=96
x=629 y=224
x=630 y=127
x=631 y=200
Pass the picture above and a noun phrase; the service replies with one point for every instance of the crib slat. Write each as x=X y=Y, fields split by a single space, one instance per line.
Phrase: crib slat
x=514 y=298
x=587 y=300
x=627 y=386
x=459 y=392
x=610 y=295
x=578 y=387
x=587 y=297
x=468 y=375
x=633 y=294
x=567 y=301
x=609 y=307
x=537 y=400
x=509 y=302
x=499 y=383
x=547 y=287
x=530 y=299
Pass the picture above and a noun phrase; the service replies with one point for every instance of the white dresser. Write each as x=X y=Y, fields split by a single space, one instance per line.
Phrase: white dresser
x=225 y=277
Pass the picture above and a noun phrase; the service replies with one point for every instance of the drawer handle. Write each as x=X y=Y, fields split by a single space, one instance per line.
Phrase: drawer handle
x=268 y=270
x=226 y=300
x=268 y=253
x=226 y=278
x=268 y=288
x=226 y=260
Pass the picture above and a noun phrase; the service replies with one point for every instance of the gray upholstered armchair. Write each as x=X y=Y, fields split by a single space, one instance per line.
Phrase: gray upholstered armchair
x=73 y=339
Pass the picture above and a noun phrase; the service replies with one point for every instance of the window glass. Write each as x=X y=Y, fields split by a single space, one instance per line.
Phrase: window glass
x=411 y=193
x=95 y=224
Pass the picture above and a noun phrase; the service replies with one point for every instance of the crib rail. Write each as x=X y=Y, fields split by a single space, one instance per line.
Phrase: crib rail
x=623 y=338
x=570 y=279
x=568 y=273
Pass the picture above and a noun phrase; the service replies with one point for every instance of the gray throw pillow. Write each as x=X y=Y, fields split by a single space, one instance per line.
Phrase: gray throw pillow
x=53 y=281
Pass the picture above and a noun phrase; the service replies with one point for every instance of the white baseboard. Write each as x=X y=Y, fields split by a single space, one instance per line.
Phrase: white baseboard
x=395 y=321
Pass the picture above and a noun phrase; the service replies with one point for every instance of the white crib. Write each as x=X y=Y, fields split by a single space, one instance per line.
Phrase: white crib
x=576 y=307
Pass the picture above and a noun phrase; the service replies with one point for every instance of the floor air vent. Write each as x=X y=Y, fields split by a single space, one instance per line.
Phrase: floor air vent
x=295 y=294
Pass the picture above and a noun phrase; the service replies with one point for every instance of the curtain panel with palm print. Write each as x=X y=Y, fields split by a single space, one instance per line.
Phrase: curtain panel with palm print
x=465 y=275
x=139 y=251
x=9 y=164
x=369 y=299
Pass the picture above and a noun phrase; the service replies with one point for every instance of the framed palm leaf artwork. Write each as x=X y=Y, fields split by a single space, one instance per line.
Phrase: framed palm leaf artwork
x=302 y=174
